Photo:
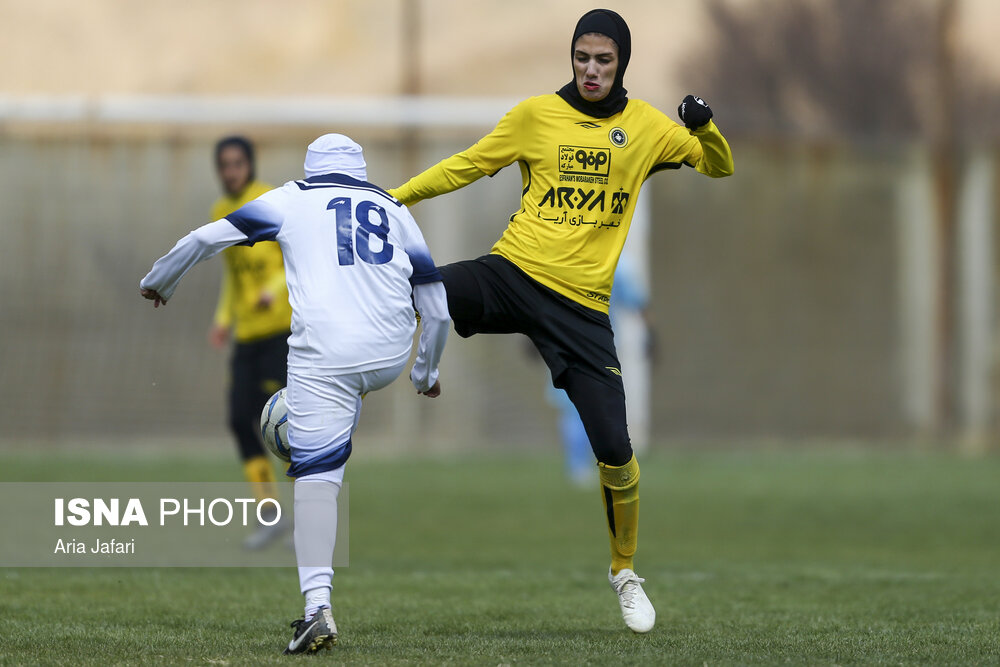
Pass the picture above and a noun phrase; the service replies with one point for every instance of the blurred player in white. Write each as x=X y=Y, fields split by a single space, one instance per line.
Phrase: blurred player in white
x=356 y=264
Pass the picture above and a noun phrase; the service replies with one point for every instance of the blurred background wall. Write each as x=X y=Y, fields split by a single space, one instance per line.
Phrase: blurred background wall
x=841 y=285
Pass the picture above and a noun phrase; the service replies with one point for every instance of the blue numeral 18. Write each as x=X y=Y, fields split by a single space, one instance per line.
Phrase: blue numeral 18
x=341 y=206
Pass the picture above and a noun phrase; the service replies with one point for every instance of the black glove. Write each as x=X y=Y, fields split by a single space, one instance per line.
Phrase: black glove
x=694 y=112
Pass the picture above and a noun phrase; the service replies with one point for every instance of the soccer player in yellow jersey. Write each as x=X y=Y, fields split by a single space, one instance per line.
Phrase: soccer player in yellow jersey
x=253 y=309
x=583 y=152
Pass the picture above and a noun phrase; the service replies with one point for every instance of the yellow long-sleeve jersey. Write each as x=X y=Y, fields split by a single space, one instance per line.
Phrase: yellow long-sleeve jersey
x=581 y=178
x=250 y=271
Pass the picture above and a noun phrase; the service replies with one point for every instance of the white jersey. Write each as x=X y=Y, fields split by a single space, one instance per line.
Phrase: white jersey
x=352 y=256
x=351 y=252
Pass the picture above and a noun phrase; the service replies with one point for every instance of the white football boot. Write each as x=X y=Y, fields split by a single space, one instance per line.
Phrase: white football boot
x=637 y=610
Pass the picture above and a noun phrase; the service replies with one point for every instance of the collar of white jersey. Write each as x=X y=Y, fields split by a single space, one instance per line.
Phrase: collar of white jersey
x=343 y=181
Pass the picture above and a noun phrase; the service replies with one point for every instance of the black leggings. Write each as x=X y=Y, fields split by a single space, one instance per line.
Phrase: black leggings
x=603 y=414
x=491 y=295
x=258 y=369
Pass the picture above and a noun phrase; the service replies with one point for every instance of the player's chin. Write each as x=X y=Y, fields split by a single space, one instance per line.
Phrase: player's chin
x=593 y=95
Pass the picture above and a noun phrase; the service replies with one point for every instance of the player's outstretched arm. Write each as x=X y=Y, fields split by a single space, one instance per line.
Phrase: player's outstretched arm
x=201 y=244
x=446 y=176
x=432 y=304
x=716 y=159
x=486 y=157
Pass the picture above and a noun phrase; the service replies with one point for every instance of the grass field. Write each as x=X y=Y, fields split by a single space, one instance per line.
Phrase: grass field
x=764 y=558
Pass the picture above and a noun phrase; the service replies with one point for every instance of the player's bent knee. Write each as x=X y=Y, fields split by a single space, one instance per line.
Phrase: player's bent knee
x=615 y=453
x=326 y=461
x=620 y=477
x=335 y=476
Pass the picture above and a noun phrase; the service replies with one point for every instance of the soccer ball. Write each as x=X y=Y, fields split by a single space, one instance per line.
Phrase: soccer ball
x=274 y=426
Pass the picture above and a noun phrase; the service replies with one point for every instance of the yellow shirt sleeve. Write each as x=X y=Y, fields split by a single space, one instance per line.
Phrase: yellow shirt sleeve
x=224 y=308
x=276 y=283
x=716 y=157
x=502 y=146
x=447 y=175
x=705 y=149
x=486 y=157
x=221 y=208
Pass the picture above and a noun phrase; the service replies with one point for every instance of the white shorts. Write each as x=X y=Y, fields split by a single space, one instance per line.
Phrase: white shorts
x=323 y=412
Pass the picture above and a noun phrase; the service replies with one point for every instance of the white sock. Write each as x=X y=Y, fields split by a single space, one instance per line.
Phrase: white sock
x=315 y=536
x=316 y=599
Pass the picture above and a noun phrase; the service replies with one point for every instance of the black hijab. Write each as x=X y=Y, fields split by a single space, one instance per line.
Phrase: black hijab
x=609 y=23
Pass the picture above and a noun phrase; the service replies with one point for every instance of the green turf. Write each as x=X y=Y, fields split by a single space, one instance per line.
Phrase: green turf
x=778 y=557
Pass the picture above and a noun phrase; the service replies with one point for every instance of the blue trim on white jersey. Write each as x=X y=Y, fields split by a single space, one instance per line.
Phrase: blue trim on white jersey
x=325 y=462
x=344 y=181
x=257 y=220
x=424 y=270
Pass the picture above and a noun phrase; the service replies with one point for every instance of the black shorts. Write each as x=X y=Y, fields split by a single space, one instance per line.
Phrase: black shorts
x=491 y=295
x=258 y=369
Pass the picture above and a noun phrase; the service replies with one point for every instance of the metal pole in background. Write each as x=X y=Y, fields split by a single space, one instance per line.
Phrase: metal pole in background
x=945 y=165
x=916 y=221
x=976 y=294
x=406 y=411
x=410 y=41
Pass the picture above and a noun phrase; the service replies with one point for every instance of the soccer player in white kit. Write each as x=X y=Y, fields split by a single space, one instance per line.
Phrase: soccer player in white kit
x=356 y=265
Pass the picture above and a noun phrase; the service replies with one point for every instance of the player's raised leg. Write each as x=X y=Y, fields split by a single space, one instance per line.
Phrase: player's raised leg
x=602 y=410
x=323 y=415
x=315 y=540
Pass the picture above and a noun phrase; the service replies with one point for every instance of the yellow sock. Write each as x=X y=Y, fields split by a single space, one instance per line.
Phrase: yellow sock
x=620 y=490
x=260 y=474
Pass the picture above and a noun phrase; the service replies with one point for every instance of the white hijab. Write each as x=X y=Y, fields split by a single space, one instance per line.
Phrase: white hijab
x=335 y=153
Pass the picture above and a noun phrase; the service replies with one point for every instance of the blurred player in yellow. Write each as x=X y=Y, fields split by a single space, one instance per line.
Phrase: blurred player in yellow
x=583 y=152
x=253 y=310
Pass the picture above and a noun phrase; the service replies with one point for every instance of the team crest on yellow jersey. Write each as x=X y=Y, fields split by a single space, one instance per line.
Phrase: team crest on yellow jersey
x=618 y=137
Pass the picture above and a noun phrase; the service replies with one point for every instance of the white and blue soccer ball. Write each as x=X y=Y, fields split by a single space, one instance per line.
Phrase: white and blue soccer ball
x=274 y=426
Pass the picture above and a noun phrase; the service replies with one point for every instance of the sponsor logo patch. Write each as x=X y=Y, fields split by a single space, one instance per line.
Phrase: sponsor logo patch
x=618 y=201
x=584 y=160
